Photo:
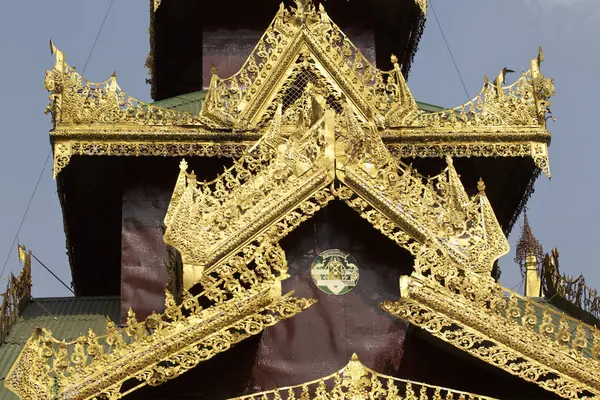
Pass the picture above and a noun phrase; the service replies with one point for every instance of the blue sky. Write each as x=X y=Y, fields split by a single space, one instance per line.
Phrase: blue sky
x=484 y=36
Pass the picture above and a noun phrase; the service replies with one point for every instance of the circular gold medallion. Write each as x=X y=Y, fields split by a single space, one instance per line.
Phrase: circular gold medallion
x=335 y=272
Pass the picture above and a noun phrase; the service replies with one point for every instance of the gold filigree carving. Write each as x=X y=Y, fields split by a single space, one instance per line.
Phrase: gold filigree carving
x=537 y=151
x=17 y=295
x=244 y=301
x=355 y=381
x=206 y=221
x=303 y=49
x=522 y=103
x=77 y=101
x=64 y=150
x=300 y=42
x=435 y=209
x=209 y=221
x=517 y=334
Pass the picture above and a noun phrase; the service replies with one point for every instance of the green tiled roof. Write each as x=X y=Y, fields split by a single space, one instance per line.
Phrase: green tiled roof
x=541 y=305
x=429 y=107
x=67 y=318
x=192 y=103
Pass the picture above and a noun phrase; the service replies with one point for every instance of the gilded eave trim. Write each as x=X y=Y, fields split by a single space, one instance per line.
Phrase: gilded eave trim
x=492 y=134
x=44 y=370
x=287 y=202
x=188 y=141
x=497 y=340
x=458 y=134
x=355 y=381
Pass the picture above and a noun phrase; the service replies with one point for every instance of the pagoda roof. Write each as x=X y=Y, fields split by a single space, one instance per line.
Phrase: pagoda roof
x=149 y=352
x=400 y=22
x=311 y=121
x=228 y=230
x=500 y=135
x=298 y=48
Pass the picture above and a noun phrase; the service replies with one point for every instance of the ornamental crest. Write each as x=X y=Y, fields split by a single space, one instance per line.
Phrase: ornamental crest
x=335 y=272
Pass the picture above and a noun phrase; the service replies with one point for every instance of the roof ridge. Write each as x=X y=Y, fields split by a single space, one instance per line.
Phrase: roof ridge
x=75 y=298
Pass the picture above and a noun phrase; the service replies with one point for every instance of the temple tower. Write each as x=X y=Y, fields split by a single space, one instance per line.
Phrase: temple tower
x=319 y=232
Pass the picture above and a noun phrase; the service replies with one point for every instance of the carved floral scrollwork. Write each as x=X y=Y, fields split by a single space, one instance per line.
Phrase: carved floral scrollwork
x=522 y=103
x=355 y=381
x=319 y=143
x=206 y=221
x=77 y=101
x=517 y=334
x=294 y=53
x=433 y=210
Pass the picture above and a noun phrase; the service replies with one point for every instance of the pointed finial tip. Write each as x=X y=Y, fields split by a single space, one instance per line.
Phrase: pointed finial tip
x=354 y=357
x=481 y=186
x=183 y=165
x=214 y=69
x=114 y=74
x=394 y=59
x=540 y=54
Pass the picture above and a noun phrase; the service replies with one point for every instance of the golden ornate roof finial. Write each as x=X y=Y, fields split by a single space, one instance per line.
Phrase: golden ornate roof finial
x=394 y=59
x=213 y=69
x=183 y=165
x=481 y=186
x=304 y=8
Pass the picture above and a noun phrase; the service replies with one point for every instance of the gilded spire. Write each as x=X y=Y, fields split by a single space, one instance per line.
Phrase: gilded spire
x=528 y=246
x=481 y=186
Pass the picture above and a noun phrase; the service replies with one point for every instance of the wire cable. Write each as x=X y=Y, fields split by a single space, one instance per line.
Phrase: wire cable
x=450 y=51
x=97 y=35
x=50 y=152
x=24 y=215
x=53 y=274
